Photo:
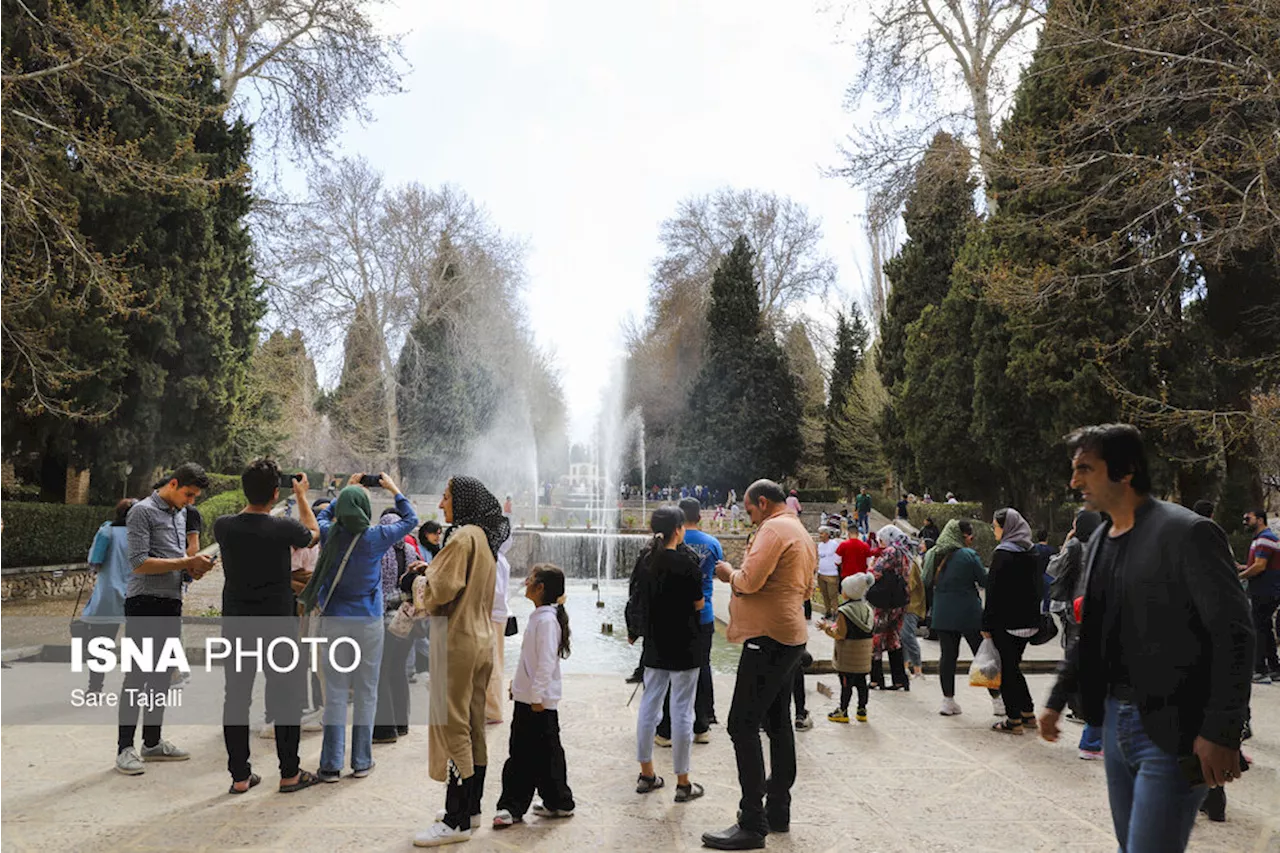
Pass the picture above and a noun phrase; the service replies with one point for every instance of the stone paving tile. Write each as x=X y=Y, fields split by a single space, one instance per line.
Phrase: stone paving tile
x=907 y=781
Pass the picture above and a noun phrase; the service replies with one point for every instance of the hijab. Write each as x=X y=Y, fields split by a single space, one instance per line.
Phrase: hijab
x=949 y=541
x=1087 y=521
x=892 y=536
x=474 y=504
x=351 y=514
x=1017 y=533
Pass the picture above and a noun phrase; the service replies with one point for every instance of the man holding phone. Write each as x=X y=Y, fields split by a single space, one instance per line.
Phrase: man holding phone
x=157 y=530
x=1164 y=650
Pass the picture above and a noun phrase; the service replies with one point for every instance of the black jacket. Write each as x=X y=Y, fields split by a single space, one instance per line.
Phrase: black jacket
x=1015 y=586
x=1186 y=630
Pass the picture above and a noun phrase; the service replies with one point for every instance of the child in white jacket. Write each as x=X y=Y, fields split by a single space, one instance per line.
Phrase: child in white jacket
x=536 y=758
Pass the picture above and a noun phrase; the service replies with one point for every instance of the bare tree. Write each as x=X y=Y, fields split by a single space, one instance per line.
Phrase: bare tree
x=881 y=225
x=916 y=54
x=360 y=259
x=304 y=65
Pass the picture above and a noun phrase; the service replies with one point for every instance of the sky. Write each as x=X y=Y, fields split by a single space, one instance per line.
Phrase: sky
x=581 y=125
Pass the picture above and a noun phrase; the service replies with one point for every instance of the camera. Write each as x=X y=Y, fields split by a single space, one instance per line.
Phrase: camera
x=370 y=481
x=287 y=480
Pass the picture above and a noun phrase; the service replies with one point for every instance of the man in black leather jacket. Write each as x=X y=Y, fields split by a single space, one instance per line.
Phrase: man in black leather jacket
x=1163 y=657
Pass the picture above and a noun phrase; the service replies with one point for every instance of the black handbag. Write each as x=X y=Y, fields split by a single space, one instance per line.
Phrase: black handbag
x=1047 y=631
x=512 y=628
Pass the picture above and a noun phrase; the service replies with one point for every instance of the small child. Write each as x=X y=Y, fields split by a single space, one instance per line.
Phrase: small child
x=536 y=757
x=852 y=632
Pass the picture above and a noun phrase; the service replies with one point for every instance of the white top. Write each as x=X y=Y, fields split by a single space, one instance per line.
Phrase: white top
x=828 y=559
x=500 y=584
x=537 y=680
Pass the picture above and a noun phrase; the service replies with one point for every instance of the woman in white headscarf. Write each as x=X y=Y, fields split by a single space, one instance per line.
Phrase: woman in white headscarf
x=894 y=559
x=1011 y=615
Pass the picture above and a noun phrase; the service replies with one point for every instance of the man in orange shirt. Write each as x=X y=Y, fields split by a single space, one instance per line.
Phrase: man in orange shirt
x=766 y=615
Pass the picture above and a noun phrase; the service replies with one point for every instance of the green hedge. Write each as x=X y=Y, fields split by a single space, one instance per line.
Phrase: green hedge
x=226 y=503
x=48 y=534
x=819 y=496
x=219 y=484
x=941 y=513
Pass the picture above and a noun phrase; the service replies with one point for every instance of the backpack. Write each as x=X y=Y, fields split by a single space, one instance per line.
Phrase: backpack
x=889 y=592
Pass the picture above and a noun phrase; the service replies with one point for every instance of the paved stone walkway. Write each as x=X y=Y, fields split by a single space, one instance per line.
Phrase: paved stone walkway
x=909 y=780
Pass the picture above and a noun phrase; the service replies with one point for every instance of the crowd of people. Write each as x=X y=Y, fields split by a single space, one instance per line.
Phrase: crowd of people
x=1159 y=636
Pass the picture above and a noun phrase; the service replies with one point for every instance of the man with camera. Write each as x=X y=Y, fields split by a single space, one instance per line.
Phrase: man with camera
x=258 y=607
x=157 y=533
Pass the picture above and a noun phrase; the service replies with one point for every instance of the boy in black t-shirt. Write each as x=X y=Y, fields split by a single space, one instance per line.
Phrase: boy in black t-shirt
x=258 y=606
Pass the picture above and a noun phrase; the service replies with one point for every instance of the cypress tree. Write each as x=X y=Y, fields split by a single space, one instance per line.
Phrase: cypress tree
x=744 y=408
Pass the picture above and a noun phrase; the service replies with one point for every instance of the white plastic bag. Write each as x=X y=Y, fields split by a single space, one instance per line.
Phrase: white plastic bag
x=985 y=669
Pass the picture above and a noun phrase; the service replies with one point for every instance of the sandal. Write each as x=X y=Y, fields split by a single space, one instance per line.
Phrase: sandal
x=692 y=792
x=305 y=780
x=1008 y=727
x=645 y=784
x=1029 y=721
x=253 y=781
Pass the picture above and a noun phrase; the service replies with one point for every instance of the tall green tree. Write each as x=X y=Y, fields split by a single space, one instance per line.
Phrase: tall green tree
x=132 y=345
x=939 y=214
x=811 y=470
x=847 y=361
x=357 y=405
x=744 y=408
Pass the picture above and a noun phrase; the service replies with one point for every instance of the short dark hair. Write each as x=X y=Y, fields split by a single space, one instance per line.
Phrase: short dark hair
x=1042 y=535
x=965 y=527
x=122 y=512
x=928 y=519
x=1121 y=447
x=260 y=481
x=189 y=474
x=1260 y=513
x=692 y=510
x=1203 y=507
x=767 y=489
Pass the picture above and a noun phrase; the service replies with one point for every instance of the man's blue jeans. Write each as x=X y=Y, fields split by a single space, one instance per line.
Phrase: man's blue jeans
x=864 y=522
x=1153 y=807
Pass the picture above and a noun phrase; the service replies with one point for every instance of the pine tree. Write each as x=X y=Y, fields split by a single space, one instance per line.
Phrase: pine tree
x=846 y=363
x=744 y=409
x=356 y=405
x=939 y=214
x=811 y=470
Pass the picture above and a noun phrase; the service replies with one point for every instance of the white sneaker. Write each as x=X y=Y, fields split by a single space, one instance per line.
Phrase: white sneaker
x=312 y=721
x=129 y=763
x=439 y=834
x=702 y=737
x=997 y=706
x=542 y=811
x=950 y=707
x=475 y=818
x=1091 y=755
x=503 y=818
x=164 y=751
x=662 y=741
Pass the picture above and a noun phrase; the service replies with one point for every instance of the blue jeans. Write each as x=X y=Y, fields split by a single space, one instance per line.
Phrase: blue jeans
x=684 y=687
x=908 y=637
x=358 y=687
x=864 y=523
x=1091 y=738
x=1153 y=807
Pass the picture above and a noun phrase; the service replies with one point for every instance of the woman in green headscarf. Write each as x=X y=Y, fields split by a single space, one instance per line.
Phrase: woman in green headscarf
x=346 y=590
x=955 y=572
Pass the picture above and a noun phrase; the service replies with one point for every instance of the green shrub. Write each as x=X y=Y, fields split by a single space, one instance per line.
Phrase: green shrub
x=226 y=503
x=941 y=513
x=219 y=484
x=47 y=534
x=819 y=496
x=884 y=504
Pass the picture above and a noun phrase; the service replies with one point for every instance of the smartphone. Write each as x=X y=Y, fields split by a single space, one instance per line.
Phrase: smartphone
x=287 y=480
x=1193 y=770
x=370 y=481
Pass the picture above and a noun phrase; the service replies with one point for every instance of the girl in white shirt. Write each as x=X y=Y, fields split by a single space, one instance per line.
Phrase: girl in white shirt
x=536 y=758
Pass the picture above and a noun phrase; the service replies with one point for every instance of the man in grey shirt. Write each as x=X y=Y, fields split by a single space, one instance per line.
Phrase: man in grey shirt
x=153 y=607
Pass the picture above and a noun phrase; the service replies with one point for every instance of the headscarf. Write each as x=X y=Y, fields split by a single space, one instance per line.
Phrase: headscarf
x=351 y=512
x=474 y=504
x=949 y=541
x=1087 y=521
x=391 y=565
x=1017 y=533
x=892 y=536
